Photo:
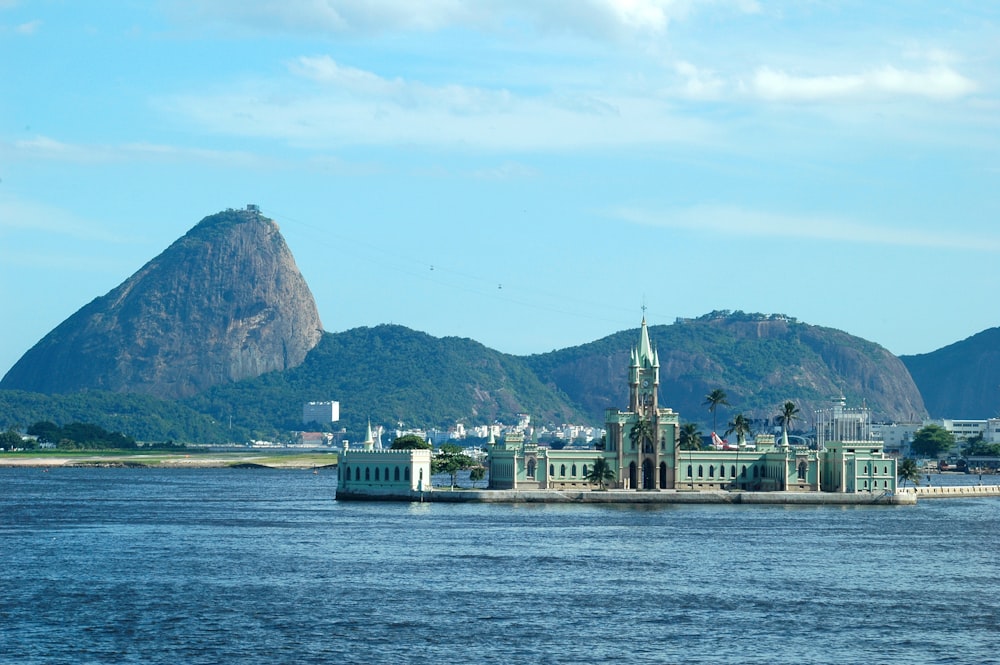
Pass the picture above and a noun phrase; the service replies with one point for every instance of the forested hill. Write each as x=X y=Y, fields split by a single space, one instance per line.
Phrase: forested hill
x=961 y=380
x=760 y=361
x=393 y=374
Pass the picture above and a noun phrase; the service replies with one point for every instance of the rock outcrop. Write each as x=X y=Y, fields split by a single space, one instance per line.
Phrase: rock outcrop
x=225 y=302
x=961 y=380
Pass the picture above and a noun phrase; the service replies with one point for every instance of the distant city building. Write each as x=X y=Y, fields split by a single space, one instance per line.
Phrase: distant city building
x=320 y=412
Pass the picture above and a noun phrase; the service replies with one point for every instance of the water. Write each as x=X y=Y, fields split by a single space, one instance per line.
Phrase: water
x=258 y=566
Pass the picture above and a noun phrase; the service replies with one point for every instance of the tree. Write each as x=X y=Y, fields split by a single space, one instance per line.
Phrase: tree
x=932 y=441
x=740 y=426
x=410 y=442
x=477 y=473
x=642 y=434
x=713 y=401
x=690 y=437
x=600 y=474
x=789 y=414
x=908 y=470
x=451 y=459
x=11 y=440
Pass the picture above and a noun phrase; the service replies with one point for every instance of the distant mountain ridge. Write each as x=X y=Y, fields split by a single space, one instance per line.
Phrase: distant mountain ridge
x=223 y=303
x=223 y=326
x=961 y=380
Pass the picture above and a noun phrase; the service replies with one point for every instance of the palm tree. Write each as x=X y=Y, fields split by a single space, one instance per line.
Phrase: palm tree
x=690 y=437
x=641 y=433
x=740 y=426
x=908 y=470
x=789 y=414
x=713 y=400
x=601 y=473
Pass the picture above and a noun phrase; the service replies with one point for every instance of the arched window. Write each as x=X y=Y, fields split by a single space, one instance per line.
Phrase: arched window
x=585 y=471
x=531 y=468
x=701 y=471
x=732 y=471
x=663 y=443
x=357 y=473
x=368 y=473
x=711 y=471
x=803 y=467
x=689 y=470
x=406 y=473
x=347 y=473
x=743 y=471
x=395 y=475
x=573 y=470
x=562 y=470
x=552 y=469
x=376 y=473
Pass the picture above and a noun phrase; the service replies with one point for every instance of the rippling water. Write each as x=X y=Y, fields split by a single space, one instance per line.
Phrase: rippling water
x=257 y=566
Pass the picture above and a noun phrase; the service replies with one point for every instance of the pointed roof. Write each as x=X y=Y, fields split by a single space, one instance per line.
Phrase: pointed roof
x=646 y=356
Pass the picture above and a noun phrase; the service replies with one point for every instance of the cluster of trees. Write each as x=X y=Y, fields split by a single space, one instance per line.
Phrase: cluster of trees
x=740 y=425
x=80 y=436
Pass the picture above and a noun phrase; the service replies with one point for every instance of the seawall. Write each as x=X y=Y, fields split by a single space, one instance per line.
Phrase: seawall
x=620 y=496
x=953 y=491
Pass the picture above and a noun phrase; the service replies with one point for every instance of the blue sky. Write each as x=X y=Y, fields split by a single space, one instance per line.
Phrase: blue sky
x=525 y=173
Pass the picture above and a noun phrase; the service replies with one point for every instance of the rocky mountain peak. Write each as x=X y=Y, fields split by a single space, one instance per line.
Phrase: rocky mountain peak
x=224 y=302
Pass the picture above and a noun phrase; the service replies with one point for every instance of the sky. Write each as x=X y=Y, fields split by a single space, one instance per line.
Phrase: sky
x=531 y=174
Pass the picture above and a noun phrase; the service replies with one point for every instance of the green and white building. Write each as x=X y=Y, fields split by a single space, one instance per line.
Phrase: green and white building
x=642 y=450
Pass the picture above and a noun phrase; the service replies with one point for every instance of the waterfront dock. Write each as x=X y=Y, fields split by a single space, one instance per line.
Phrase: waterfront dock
x=633 y=497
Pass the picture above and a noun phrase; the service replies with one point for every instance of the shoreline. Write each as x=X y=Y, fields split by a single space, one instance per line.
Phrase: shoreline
x=168 y=460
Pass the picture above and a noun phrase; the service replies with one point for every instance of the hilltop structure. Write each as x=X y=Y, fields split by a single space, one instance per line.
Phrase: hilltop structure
x=643 y=455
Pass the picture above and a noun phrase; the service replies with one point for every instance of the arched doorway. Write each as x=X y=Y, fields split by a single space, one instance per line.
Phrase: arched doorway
x=663 y=475
x=647 y=475
x=632 y=479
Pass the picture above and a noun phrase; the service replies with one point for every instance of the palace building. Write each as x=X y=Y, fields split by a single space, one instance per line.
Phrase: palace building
x=642 y=449
x=643 y=454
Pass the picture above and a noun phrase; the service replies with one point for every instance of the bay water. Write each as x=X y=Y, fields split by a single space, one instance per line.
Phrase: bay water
x=265 y=566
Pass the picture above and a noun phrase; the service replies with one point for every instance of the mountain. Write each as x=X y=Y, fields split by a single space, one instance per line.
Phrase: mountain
x=961 y=380
x=223 y=303
x=760 y=361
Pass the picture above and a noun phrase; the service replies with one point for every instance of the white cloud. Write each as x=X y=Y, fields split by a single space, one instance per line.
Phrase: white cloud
x=590 y=18
x=343 y=105
x=935 y=82
x=29 y=28
x=48 y=148
x=729 y=221
x=25 y=217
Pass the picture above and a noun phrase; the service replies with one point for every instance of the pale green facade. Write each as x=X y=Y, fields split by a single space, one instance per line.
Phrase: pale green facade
x=847 y=461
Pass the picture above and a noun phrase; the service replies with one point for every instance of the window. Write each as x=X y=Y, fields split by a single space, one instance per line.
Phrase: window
x=701 y=471
x=689 y=470
x=395 y=476
x=376 y=473
x=406 y=473
x=573 y=471
x=357 y=473
x=368 y=473
x=584 y=470
x=552 y=469
x=711 y=471
x=562 y=469
x=732 y=471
